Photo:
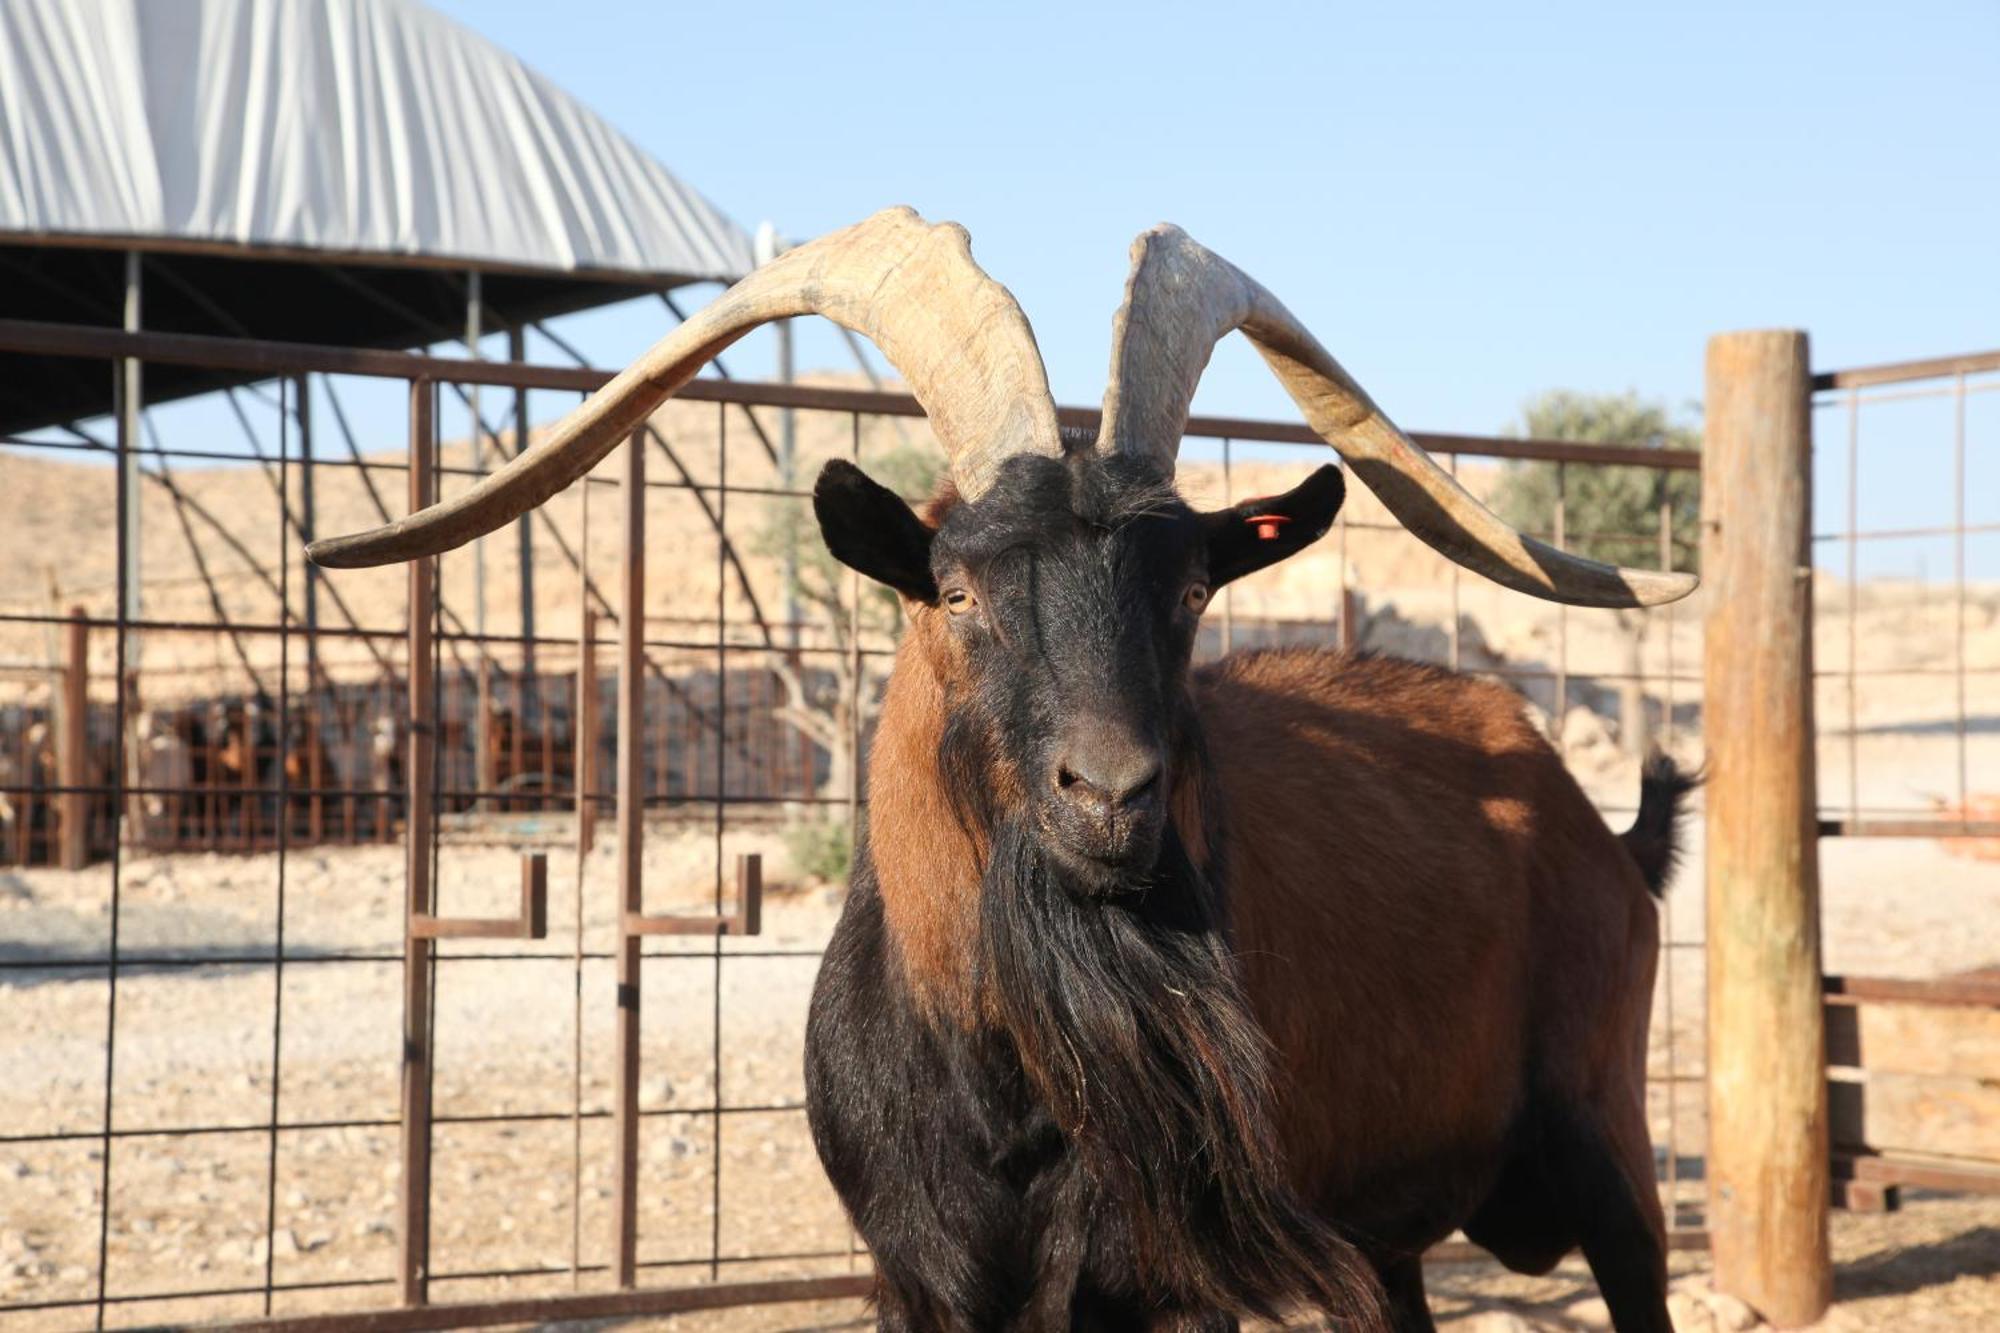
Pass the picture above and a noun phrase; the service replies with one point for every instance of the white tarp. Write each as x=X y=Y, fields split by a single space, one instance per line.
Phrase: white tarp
x=355 y=126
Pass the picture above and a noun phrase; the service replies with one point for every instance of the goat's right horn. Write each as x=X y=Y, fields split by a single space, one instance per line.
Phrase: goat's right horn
x=1182 y=299
x=956 y=336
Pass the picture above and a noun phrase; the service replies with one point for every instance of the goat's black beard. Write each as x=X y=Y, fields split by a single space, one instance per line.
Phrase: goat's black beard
x=1130 y=1020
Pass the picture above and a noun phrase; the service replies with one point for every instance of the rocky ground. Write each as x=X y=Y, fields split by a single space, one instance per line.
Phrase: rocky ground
x=195 y=1044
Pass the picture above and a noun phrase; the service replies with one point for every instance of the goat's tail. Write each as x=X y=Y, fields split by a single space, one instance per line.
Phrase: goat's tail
x=1654 y=840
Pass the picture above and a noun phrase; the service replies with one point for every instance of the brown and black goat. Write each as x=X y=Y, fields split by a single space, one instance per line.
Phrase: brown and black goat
x=1166 y=996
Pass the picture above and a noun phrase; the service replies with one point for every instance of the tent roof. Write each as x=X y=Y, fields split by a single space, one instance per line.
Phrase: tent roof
x=311 y=170
x=352 y=127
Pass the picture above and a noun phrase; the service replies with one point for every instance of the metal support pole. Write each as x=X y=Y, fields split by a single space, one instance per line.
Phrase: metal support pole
x=524 y=532
x=413 y=1268
x=73 y=744
x=788 y=454
x=586 y=732
x=769 y=245
x=308 y=525
x=308 y=529
x=131 y=405
x=485 y=773
x=1768 y=1171
x=631 y=832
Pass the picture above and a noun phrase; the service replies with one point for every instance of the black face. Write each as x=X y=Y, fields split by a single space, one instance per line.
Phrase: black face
x=1072 y=592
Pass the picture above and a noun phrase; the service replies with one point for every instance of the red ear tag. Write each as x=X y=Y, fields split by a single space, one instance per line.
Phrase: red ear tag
x=1267 y=525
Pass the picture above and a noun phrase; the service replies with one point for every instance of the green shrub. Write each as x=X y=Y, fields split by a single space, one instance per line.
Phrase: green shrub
x=820 y=848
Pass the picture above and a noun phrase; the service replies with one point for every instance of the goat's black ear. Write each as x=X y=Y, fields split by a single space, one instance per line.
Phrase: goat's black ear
x=871 y=530
x=1248 y=536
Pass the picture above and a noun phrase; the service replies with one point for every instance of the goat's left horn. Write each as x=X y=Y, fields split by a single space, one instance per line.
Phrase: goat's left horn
x=956 y=336
x=1181 y=299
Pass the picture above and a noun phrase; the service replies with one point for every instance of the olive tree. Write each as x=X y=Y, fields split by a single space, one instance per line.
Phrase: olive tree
x=1610 y=513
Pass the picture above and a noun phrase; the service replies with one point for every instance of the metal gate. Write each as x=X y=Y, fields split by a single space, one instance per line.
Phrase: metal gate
x=489 y=961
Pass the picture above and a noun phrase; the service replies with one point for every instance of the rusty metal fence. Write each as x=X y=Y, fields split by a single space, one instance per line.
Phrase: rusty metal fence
x=328 y=1013
x=1907 y=685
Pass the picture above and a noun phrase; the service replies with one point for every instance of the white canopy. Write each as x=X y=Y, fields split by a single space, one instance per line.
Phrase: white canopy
x=362 y=128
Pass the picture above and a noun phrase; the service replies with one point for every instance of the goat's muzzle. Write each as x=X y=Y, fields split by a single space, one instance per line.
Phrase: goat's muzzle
x=1104 y=806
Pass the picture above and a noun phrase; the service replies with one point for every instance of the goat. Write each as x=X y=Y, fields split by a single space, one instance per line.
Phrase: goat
x=1163 y=997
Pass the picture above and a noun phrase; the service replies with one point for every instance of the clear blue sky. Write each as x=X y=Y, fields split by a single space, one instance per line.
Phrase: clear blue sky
x=1467 y=202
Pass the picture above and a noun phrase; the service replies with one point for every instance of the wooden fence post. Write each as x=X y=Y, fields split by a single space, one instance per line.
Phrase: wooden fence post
x=73 y=745
x=1768 y=1187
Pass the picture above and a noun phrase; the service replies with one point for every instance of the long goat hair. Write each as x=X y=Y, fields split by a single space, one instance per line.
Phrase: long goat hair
x=1130 y=1019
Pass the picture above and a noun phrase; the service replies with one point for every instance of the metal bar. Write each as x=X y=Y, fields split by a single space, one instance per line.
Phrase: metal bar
x=746 y=919
x=1958 y=581
x=530 y=923
x=495 y=1118
x=631 y=834
x=1228 y=593
x=453 y=1275
x=540 y=1309
x=1944 y=1174
x=272 y=358
x=1909 y=828
x=1975 y=991
x=131 y=405
x=127 y=600
x=1684 y=1239
x=721 y=828
x=284 y=734
x=413 y=1260
x=73 y=744
x=1558 y=724
x=524 y=531
x=1853 y=603
x=1906 y=534
x=1896 y=372
x=586 y=724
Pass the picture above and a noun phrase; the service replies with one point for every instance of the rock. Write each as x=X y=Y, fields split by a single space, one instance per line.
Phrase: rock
x=1730 y=1314
x=671 y=1148
x=656 y=1092
x=1689 y=1314
x=283 y=1241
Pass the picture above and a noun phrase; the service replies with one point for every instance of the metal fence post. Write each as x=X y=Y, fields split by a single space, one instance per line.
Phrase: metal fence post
x=1767 y=1168
x=73 y=745
x=413 y=1268
x=631 y=839
x=586 y=732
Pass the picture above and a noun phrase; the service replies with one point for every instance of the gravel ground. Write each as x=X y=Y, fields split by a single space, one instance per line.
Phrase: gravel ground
x=195 y=1044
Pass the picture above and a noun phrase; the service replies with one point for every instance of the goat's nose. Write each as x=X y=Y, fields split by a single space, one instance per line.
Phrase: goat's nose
x=1108 y=769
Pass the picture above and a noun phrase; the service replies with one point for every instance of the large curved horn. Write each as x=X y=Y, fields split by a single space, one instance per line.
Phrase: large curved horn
x=956 y=336
x=1181 y=299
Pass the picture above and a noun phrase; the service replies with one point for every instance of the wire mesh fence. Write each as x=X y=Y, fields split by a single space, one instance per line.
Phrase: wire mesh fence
x=1906 y=554
x=277 y=840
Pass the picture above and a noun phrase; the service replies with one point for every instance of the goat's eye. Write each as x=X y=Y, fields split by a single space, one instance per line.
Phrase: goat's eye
x=958 y=601
x=1196 y=597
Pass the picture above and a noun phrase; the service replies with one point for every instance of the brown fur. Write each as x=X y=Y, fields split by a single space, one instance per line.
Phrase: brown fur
x=914 y=835
x=1425 y=905
x=1420 y=890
